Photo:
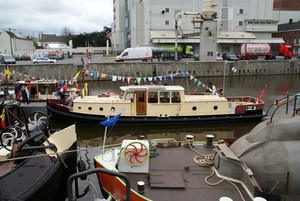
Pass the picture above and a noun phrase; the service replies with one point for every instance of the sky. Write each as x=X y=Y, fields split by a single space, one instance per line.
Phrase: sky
x=50 y=16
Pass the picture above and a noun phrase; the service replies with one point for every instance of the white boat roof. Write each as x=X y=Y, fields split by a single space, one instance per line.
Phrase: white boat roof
x=152 y=88
x=37 y=82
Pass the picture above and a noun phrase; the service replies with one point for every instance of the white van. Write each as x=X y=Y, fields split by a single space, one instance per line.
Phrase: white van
x=136 y=53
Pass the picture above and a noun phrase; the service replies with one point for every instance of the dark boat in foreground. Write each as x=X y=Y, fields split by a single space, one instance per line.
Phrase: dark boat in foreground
x=156 y=104
x=35 y=160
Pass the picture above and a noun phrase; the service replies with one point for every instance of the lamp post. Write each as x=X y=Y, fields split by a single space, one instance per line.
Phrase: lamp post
x=233 y=70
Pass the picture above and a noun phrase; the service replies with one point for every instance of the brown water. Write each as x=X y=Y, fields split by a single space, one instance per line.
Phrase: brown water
x=277 y=86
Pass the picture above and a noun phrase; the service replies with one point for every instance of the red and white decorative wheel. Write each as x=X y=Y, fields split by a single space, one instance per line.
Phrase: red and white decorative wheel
x=136 y=153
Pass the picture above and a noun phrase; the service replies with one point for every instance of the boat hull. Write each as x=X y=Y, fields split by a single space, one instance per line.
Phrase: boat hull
x=50 y=178
x=67 y=116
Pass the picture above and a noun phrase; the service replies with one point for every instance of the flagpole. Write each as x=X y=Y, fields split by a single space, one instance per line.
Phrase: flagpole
x=105 y=131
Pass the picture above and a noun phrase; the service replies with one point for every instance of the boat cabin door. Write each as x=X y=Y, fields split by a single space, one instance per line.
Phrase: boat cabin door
x=141 y=106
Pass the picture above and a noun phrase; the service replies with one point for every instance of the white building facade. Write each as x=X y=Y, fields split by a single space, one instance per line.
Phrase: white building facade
x=152 y=21
x=16 y=44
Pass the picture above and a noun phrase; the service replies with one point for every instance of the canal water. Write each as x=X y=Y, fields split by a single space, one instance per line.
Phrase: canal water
x=90 y=138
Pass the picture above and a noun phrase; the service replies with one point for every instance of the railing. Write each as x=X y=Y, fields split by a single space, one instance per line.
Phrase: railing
x=97 y=170
x=292 y=97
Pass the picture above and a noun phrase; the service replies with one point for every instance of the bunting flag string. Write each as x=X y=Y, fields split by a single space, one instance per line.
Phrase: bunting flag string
x=123 y=78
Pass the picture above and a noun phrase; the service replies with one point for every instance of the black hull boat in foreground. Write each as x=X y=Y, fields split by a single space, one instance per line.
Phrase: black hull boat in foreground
x=36 y=161
x=156 y=104
x=260 y=166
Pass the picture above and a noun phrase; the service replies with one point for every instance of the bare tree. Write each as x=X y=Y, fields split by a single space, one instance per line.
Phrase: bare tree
x=66 y=31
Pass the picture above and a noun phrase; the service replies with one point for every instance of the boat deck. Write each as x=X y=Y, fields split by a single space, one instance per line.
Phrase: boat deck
x=174 y=176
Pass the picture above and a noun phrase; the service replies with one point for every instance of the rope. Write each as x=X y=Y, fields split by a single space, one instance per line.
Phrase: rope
x=208 y=161
x=63 y=152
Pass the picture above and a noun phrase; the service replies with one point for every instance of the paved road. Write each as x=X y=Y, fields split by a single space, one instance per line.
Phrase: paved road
x=96 y=58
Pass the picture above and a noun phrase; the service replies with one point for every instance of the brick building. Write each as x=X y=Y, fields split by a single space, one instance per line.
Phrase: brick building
x=289 y=25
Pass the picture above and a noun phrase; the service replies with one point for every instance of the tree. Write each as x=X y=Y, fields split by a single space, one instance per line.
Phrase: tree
x=94 y=39
x=66 y=34
x=66 y=31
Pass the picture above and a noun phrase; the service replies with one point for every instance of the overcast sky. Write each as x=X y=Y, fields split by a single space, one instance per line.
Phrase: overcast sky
x=34 y=16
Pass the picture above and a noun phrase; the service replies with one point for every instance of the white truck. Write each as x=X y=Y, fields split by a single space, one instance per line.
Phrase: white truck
x=136 y=53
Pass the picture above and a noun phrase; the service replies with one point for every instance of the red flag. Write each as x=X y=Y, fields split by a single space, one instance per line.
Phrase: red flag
x=2 y=116
x=261 y=94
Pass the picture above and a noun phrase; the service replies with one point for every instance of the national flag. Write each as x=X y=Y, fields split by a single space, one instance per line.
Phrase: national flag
x=77 y=74
x=7 y=72
x=2 y=117
x=261 y=94
x=111 y=121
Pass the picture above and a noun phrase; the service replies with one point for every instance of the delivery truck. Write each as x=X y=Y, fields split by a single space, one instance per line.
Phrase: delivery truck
x=185 y=51
x=253 y=51
x=136 y=53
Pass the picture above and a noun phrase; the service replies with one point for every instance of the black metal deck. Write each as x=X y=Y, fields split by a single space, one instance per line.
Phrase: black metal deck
x=174 y=176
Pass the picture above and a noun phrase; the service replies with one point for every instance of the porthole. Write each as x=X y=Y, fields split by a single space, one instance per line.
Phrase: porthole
x=101 y=108
x=215 y=107
x=79 y=108
x=113 y=109
x=194 y=108
x=90 y=108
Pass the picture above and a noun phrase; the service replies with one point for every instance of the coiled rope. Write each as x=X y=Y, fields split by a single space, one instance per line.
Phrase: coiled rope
x=208 y=161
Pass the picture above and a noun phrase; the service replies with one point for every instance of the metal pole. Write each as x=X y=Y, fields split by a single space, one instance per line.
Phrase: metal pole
x=11 y=48
x=224 y=78
x=82 y=72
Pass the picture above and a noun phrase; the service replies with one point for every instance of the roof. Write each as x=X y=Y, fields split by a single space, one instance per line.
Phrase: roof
x=18 y=35
x=56 y=46
x=239 y=40
x=236 y=35
x=151 y=88
x=53 y=38
x=289 y=26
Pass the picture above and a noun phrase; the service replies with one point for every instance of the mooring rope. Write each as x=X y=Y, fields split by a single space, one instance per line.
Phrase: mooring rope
x=208 y=161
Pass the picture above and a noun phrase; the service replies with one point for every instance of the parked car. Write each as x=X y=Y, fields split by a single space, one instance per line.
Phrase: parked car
x=25 y=57
x=298 y=57
x=229 y=56
x=52 y=56
x=7 y=59
x=40 y=60
x=169 y=56
x=218 y=57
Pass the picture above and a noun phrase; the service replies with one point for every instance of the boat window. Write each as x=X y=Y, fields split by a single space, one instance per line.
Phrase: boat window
x=152 y=97
x=129 y=95
x=175 y=97
x=122 y=94
x=164 y=97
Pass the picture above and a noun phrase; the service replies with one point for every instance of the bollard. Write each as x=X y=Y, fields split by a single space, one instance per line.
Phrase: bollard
x=189 y=141
x=209 y=141
x=141 y=187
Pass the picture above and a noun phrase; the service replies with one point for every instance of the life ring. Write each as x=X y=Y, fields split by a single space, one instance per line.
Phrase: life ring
x=136 y=153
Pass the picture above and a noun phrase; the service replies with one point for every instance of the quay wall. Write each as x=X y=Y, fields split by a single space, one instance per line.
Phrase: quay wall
x=149 y=69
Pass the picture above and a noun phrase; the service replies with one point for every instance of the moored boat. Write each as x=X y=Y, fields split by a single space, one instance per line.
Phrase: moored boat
x=36 y=161
x=156 y=104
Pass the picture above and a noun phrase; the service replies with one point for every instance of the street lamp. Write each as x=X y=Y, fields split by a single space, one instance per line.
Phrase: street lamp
x=233 y=70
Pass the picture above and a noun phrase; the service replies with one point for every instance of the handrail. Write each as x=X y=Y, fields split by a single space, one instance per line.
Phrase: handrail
x=292 y=96
x=96 y=170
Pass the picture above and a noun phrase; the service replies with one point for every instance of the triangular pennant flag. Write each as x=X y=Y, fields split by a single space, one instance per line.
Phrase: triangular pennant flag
x=98 y=74
x=195 y=80
x=171 y=76
x=159 y=77
x=150 y=78
x=165 y=78
x=183 y=74
x=114 y=78
x=154 y=79
x=144 y=79
x=128 y=80
x=191 y=77
x=139 y=80
x=91 y=74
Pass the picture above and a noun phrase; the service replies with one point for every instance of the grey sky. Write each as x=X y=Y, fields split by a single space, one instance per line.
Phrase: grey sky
x=34 y=16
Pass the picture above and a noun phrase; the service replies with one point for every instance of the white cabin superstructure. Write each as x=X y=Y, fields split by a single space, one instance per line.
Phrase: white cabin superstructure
x=156 y=101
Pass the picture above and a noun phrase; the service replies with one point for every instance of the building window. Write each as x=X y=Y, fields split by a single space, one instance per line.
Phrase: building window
x=167 y=10
x=241 y=11
x=167 y=22
x=240 y=23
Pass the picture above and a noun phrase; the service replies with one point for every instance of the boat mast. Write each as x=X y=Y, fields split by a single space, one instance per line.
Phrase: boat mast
x=82 y=72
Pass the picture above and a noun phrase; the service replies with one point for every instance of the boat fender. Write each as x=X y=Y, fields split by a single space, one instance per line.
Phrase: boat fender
x=81 y=167
x=86 y=89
